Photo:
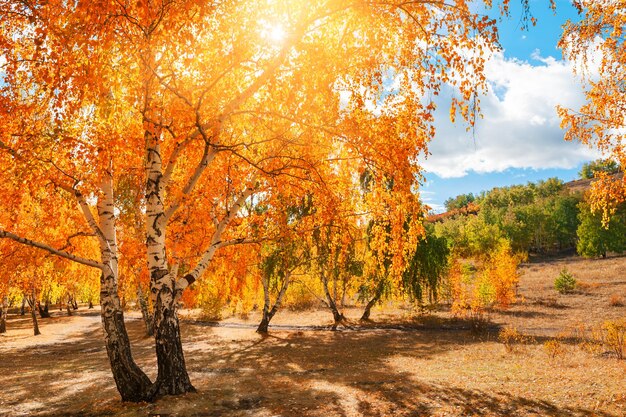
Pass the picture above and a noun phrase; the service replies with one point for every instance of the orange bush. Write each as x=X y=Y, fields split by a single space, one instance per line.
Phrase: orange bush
x=492 y=282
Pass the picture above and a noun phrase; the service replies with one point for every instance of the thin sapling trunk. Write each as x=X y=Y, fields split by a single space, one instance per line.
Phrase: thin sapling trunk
x=32 y=301
x=371 y=303
x=338 y=316
x=148 y=319
x=3 y=314
x=269 y=312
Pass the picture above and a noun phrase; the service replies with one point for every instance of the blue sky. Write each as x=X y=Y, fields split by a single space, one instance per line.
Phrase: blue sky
x=519 y=140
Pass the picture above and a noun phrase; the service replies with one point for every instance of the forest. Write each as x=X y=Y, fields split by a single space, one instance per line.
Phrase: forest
x=216 y=208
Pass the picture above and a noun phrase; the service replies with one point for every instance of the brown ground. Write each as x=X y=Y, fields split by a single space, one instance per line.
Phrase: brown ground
x=427 y=367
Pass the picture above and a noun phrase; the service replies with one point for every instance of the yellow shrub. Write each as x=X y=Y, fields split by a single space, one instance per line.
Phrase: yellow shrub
x=554 y=348
x=615 y=336
x=510 y=337
x=501 y=269
x=491 y=282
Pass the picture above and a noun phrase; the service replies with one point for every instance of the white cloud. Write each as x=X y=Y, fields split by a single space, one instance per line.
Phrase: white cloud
x=429 y=198
x=520 y=129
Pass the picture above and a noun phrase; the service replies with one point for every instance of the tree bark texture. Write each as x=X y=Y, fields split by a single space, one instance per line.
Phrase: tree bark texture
x=132 y=383
x=338 y=317
x=268 y=313
x=172 y=378
x=148 y=319
x=32 y=301
x=3 y=314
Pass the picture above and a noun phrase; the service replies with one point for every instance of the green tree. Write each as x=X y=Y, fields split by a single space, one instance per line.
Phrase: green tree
x=596 y=240
x=426 y=268
x=469 y=235
x=599 y=165
x=459 y=201
x=563 y=220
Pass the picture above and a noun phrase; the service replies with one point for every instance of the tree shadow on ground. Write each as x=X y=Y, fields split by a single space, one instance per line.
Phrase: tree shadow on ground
x=528 y=314
x=289 y=373
x=62 y=375
x=344 y=374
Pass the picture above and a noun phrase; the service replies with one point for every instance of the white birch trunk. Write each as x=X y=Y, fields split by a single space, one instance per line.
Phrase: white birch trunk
x=32 y=302
x=145 y=313
x=132 y=383
x=172 y=378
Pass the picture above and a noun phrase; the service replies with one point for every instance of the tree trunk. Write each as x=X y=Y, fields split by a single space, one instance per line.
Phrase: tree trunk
x=90 y=304
x=172 y=378
x=36 y=331
x=22 y=309
x=74 y=302
x=43 y=311
x=337 y=315
x=147 y=317
x=32 y=301
x=132 y=383
x=265 y=322
x=371 y=303
x=3 y=314
x=268 y=313
x=68 y=305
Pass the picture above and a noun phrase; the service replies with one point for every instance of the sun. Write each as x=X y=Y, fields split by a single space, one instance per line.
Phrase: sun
x=273 y=32
x=277 y=33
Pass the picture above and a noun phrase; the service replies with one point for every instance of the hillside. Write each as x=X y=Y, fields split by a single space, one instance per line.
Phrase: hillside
x=575 y=186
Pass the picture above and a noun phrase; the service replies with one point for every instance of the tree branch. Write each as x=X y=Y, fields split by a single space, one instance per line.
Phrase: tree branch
x=63 y=254
x=87 y=214
x=216 y=240
x=207 y=157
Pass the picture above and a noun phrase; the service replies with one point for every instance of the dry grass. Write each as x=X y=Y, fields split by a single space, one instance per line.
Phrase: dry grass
x=398 y=366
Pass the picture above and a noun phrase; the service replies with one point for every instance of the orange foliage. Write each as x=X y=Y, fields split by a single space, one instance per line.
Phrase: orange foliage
x=501 y=270
x=596 y=43
x=482 y=284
